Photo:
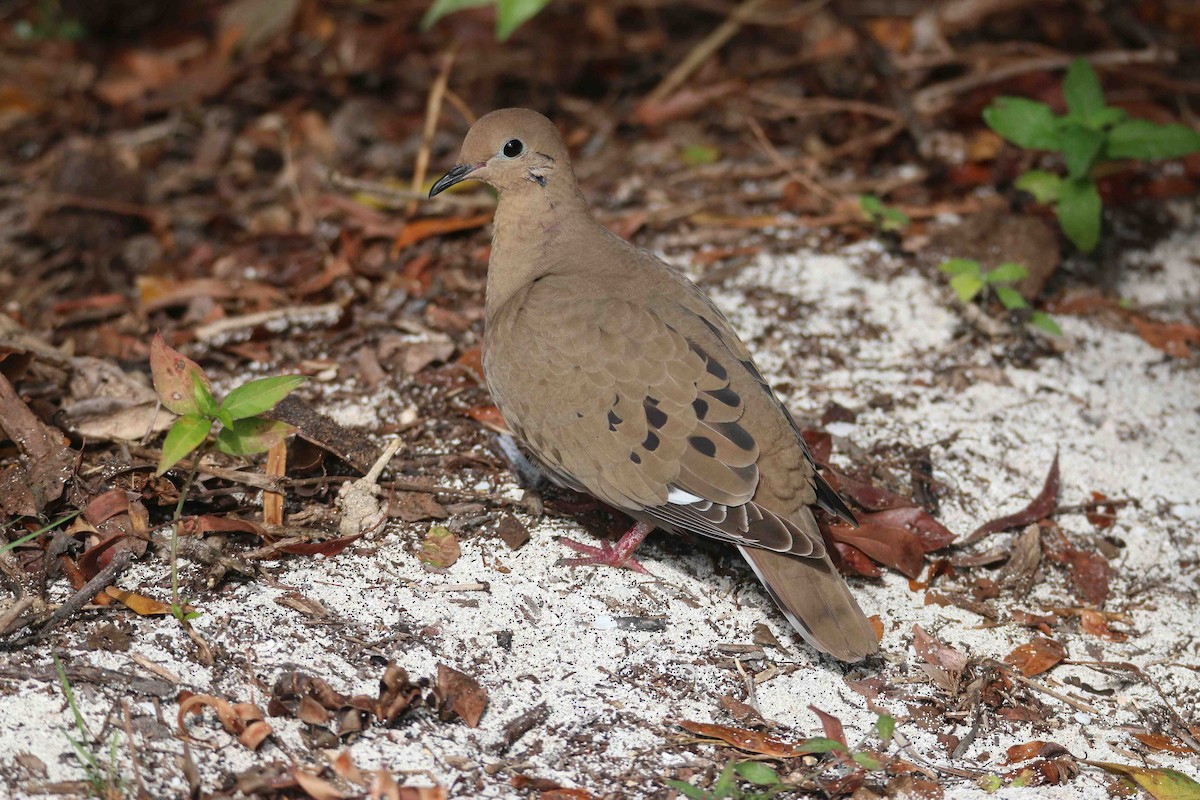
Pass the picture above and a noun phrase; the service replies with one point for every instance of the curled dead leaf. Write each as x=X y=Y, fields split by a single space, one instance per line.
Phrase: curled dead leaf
x=459 y=693
x=243 y=720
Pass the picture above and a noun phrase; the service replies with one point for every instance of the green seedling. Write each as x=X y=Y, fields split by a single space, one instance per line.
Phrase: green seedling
x=764 y=781
x=49 y=23
x=1089 y=135
x=510 y=14
x=102 y=777
x=885 y=218
x=969 y=280
x=241 y=430
x=185 y=389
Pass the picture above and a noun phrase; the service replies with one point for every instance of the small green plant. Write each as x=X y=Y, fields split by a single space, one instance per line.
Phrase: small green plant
x=766 y=783
x=969 y=280
x=102 y=776
x=1088 y=135
x=885 y=218
x=49 y=23
x=184 y=389
x=510 y=14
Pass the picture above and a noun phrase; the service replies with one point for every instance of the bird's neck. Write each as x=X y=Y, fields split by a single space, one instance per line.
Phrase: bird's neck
x=528 y=230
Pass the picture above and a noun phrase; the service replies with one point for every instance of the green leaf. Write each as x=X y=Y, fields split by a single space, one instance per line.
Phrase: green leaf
x=990 y=783
x=960 y=266
x=246 y=437
x=871 y=205
x=185 y=435
x=206 y=404
x=1043 y=321
x=724 y=784
x=1026 y=123
x=1107 y=117
x=1008 y=272
x=696 y=154
x=867 y=761
x=512 y=14
x=1080 y=147
x=441 y=8
x=894 y=219
x=1041 y=184
x=687 y=790
x=885 y=725
x=1139 y=138
x=1081 y=87
x=821 y=744
x=440 y=548
x=757 y=773
x=1078 y=210
x=1010 y=298
x=1162 y=783
x=259 y=395
x=966 y=286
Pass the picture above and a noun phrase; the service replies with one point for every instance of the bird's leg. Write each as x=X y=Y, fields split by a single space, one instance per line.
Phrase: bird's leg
x=607 y=555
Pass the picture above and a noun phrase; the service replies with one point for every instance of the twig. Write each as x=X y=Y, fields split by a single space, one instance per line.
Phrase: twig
x=233 y=328
x=775 y=156
x=395 y=197
x=477 y=586
x=706 y=47
x=934 y=99
x=1184 y=729
x=1041 y=687
x=433 y=111
x=816 y=106
x=84 y=596
x=131 y=742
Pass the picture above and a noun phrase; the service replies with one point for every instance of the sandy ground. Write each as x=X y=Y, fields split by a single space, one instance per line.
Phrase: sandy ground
x=618 y=658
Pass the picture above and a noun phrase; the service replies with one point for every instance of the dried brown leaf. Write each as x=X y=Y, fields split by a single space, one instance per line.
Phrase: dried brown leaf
x=1041 y=507
x=461 y=694
x=1037 y=656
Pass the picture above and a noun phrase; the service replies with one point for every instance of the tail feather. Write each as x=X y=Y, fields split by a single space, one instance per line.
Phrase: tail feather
x=816 y=601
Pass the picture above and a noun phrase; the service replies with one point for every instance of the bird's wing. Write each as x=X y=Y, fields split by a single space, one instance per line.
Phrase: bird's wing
x=641 y=411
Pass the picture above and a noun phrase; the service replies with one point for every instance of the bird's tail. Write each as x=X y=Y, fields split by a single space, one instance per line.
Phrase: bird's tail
x=817 y=601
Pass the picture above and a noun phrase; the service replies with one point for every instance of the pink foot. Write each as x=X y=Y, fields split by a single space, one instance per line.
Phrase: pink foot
x=607 y=555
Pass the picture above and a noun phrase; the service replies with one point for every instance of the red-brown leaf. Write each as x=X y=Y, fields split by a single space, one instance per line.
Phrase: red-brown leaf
x=1037 y=656
x=174 y=375
x=851 y=560
x=1090 y=575
x=742 y=739
x=892 y=546
x=1042 y=506
x=830 y=724
x=327 y=548
x=936 y=653
x=104 y=507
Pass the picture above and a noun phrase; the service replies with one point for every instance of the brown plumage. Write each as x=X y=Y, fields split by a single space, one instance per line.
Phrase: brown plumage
x=624 y=381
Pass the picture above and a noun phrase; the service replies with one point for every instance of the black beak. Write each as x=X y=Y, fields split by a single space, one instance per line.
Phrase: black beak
x=452 y=177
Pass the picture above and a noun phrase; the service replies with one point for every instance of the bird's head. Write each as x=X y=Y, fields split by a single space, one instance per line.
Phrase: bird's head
x=515 y=150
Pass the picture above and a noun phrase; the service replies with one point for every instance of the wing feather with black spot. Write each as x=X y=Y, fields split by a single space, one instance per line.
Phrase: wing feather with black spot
x=646 y=417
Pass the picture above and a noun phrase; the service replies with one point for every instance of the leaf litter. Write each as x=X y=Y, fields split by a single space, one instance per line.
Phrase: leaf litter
x=581 y=670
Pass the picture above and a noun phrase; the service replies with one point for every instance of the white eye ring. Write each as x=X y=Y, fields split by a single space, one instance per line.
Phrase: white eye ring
x=512 y=148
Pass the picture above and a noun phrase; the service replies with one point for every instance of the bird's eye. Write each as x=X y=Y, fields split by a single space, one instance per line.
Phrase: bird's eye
x=512 y=148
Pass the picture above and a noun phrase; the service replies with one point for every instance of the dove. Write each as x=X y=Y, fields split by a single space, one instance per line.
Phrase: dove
x=622 y=380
